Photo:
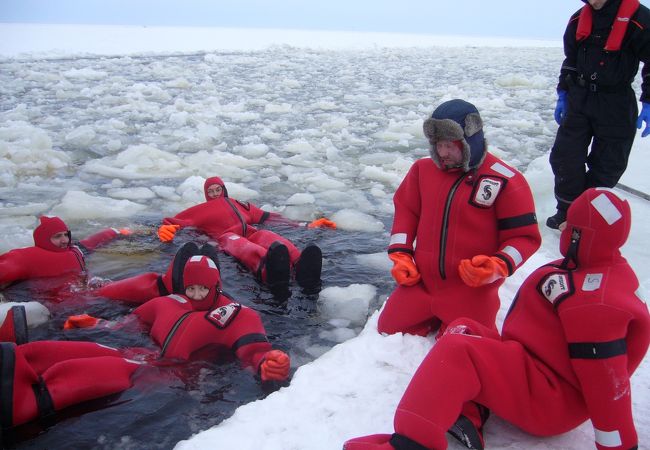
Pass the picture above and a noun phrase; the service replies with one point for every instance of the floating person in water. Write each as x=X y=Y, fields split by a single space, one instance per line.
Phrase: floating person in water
x=575 y=333
x=53 y=254
x=43 y=377
x=204 y=318
x=265 y=253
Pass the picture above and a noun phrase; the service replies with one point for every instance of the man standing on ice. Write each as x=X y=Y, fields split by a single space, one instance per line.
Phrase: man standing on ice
x=574 y=335
x=603 y=44
x=474 y=220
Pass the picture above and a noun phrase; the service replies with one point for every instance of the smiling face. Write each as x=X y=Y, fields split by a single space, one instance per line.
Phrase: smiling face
x=60 y=239
x=214 y=191
x=197 y=292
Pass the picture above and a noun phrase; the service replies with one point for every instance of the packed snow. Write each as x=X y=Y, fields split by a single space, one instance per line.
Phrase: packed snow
x=106 y=125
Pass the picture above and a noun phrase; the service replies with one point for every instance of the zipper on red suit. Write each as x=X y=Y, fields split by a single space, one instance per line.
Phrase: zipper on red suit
x=241 y=219
x=445 y=223
x=171 y=333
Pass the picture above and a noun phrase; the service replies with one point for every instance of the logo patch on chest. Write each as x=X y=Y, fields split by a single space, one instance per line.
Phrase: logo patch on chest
x=555 y=287
x=486 y=191
x=224 y=315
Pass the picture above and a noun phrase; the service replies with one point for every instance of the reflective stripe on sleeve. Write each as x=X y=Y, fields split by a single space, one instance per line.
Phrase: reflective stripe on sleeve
x=398 y=238
x=513 y=253
x=608 y=438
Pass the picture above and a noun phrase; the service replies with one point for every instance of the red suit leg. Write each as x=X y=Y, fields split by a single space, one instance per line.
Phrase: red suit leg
x=408 y=310
x=248 y=253
x=137 y=289
x=265 y=238
x=499 y=375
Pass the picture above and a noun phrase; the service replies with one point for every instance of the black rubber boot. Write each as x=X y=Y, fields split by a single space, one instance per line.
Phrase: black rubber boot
x=308 y=268
x=467 y=432
x=184 y=253
x=277 y=265
x=556 y=220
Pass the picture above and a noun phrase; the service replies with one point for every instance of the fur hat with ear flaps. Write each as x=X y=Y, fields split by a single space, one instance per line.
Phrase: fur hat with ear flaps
x=457 y=120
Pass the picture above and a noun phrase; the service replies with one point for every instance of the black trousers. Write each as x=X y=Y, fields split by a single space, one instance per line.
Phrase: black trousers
x=607 y=122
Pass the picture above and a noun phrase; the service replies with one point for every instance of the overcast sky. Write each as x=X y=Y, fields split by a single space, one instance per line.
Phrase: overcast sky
x=509 y=18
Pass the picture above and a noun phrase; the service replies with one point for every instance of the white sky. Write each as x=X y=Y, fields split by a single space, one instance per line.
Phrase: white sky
x=509 y=18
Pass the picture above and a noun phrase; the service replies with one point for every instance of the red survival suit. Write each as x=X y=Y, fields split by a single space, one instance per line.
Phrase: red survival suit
x=483 y=208
x=182 y=326
x=229 y=221
x=44 y=259
x=574 y=335
x=39 y=378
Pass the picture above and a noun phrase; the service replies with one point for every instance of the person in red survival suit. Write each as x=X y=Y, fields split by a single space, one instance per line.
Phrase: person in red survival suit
x=205 y=317
x=572 y=339
x=265 y=253
x=53 y=253
x=474 y=220
x=39 y=378
x=141 y=288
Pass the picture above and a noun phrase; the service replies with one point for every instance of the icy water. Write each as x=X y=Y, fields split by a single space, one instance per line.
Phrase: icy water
x=119 y=141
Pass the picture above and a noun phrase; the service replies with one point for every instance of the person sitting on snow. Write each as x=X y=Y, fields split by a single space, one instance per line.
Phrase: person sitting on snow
x=204 y=317
x=265 y=253
x=474 y=221
x=53 y=253
x=574 y=335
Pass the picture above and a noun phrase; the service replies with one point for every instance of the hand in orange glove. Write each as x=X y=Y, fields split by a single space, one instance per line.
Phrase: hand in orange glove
x=123 y=231
x=275 y=366
x=404 y=270
x=166 y=233
x=322 y=223
x=482 y=270
x=81 y=321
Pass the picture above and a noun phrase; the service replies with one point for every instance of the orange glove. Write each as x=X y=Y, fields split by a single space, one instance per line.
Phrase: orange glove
x=322 y=223
x=404 y=270
x=482 y=270
x=166 y=233
x=123 y=231
x=275 y=366
x=80 y=321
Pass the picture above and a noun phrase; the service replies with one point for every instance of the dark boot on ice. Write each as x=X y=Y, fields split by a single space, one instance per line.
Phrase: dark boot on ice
x=556 y=220
x=14 y=328
x=468 y=428
x=308 y=268
x=277 y=267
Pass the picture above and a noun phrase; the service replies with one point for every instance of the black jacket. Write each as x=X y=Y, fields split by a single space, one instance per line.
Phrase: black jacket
x=611 y=70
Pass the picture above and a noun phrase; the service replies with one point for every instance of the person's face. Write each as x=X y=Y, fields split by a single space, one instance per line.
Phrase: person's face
x=449 y=154
x=60 y=239
x=597 y=4
x=214 y=191
x=197 y=292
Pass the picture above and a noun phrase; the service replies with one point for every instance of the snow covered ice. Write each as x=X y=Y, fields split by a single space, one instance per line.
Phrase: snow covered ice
x=123 y=135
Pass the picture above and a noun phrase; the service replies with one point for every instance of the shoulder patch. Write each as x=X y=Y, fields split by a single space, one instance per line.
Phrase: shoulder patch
x=592 y=282
x=556 y=287
x=503 y=170
x=486 y=191
x=245 y=205
x=224 y=315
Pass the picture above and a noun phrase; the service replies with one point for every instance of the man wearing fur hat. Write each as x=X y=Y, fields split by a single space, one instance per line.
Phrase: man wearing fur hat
x=53 y=253
x=473 y=217
x=596 y=109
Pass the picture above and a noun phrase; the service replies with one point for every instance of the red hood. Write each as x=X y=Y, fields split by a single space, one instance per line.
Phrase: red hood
x=209 y=182
x=48 y=227
x=203 y=271
x=603 y=222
